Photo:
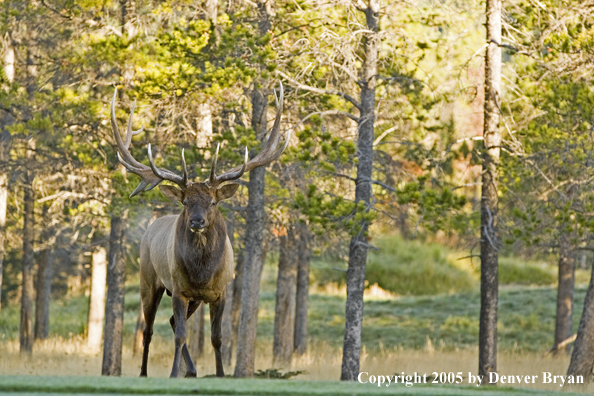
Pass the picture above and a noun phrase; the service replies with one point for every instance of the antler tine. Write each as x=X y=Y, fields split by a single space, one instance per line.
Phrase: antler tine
x=213 y=167
x=164 y=173
x=150 y=177
x=129 y=131
x=142 y=186
x=268 y=153
x=274 y=137
x=185 y=177
x=234 y=175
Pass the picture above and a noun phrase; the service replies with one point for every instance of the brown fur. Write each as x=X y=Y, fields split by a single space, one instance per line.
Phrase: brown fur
x=194 y=267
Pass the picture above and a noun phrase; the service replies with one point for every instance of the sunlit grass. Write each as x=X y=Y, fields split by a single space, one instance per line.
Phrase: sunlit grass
x=320 y=362
x=400 y=333
x=415 y=268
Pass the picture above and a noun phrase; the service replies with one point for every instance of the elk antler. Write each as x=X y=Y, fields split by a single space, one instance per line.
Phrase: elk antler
x=268 y=153
x=151 y=176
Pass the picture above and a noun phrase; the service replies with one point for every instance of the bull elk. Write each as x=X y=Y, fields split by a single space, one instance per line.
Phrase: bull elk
x=189 y=255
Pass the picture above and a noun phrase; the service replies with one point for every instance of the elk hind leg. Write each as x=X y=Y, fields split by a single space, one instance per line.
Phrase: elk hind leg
x=216 y=333
x=151 y=297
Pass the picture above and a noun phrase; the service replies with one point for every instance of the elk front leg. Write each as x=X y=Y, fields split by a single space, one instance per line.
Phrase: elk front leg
x=216 y=334
x=190 y=368
x=180 y=309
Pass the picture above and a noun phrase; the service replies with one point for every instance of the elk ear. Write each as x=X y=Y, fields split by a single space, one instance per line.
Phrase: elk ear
x=227 y=191
x=171 y=192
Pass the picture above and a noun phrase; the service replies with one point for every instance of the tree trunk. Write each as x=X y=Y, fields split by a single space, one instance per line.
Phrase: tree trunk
x=196 y=333
x=44 y=289
x=227 y=325
x=565 y=288
x=3 y=201
x=114 y=307
x=97 y=300
x=363 y=193
x=8 y=65
x=28 y=289
x=284 y=314
x=582 y=358
x=253 y=253
x=302 y=294
x=489 y=198
x=211 y=10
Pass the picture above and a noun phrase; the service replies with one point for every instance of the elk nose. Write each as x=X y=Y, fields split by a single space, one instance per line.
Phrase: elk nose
x=197 y=224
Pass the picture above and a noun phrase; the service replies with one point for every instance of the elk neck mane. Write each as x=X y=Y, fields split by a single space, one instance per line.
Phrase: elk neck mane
x=200 y=253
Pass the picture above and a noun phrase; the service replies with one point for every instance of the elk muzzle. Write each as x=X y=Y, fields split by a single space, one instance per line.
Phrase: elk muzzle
x=198 y=224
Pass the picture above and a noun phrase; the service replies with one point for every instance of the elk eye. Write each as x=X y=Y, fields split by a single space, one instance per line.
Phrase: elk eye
x=214 y=203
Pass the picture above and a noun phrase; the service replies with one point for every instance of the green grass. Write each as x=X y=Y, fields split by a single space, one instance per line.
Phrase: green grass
x=512 y=271
x=405 y=268
x=449 y=319
x=25 y=385
x=415 y=268
x=526 y=319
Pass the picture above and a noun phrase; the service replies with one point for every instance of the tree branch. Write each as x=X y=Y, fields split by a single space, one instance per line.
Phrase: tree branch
x=56 y=11
x=309 y=88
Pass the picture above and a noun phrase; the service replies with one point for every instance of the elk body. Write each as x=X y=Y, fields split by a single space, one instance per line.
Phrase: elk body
x=188 y=255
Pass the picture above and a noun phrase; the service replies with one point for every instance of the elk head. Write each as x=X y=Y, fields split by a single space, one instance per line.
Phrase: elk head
x=200 y=198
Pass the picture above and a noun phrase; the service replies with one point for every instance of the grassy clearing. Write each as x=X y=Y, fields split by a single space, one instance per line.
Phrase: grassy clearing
x=405 y=333
x=446 y=321
x=415 y=268
x=227 y=386
x=321 y=363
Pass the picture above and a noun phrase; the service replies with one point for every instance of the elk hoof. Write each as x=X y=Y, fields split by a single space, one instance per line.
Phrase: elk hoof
x=191 y=374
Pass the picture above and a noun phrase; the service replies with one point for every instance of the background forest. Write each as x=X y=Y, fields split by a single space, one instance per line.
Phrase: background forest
x=397 y=129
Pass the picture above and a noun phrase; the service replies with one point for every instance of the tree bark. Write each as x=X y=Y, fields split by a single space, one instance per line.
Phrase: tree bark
x=211 y=10
x=114 y=307
x=97 y=300
x=253 y=253
x=28 y=290
x=8 y=65
x=3 y=201
x=284 y=314
x=565 y=289
x=227 y=325
x=196 y=333
x=489 y=198
x=302 y=294
x=9 y=71
x=582 y=358
x=44 y=289
x=363 y=193
x=255 y=211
